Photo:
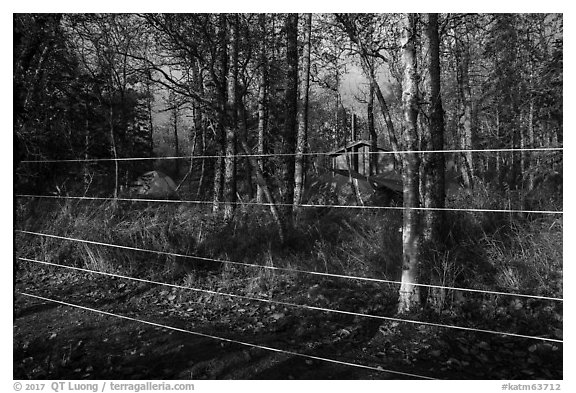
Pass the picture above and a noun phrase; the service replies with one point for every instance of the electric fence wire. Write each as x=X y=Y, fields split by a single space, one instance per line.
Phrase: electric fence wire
x=322 y=309
x=303 y=306
x=287 y=270
x=303 y=205
x=269 y=155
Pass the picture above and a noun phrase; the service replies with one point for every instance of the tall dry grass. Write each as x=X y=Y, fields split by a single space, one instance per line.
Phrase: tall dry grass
x=482 y=251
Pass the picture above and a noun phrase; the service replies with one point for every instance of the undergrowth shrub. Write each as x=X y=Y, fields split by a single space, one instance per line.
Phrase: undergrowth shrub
x=360 y=243
x=489 y=251
x=529 y=258
x=505 y=252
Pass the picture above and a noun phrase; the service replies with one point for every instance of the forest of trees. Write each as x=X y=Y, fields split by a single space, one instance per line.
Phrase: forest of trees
x=273 y=86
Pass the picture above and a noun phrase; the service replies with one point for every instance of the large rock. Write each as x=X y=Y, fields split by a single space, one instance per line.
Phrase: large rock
x=153 y=185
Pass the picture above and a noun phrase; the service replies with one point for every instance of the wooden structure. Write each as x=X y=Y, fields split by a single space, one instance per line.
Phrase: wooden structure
x=356 y=157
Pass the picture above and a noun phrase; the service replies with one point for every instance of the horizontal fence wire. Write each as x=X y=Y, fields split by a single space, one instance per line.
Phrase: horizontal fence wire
x=232 y=341
x=287 y=270
x=303 y=205
x=268 y=155
x=314 y=308
x=302 y=306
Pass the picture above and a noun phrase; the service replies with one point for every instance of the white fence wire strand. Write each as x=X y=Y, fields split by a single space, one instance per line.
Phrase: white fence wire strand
x=269 y=155
x=246 y=344
x=287 y=270
x=304 y=205
x=302 y=306
x=276 y=302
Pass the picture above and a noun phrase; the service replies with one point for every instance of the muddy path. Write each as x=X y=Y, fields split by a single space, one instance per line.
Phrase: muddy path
x=61 y=342
x=58 y=341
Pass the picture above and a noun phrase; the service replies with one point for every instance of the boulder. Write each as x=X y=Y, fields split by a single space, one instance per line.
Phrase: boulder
x=153 y=185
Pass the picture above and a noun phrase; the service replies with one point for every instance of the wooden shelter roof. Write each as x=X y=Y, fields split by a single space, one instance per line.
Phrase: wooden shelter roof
x=351 y=145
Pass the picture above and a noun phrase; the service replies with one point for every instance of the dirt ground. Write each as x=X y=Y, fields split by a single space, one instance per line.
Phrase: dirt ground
x=55 y=341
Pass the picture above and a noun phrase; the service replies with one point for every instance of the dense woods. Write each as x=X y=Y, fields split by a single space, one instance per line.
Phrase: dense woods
x=246 y=113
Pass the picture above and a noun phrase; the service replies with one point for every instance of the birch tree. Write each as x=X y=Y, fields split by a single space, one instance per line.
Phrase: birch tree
x=303 y=114
x=231 y=121
x=409 y=293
